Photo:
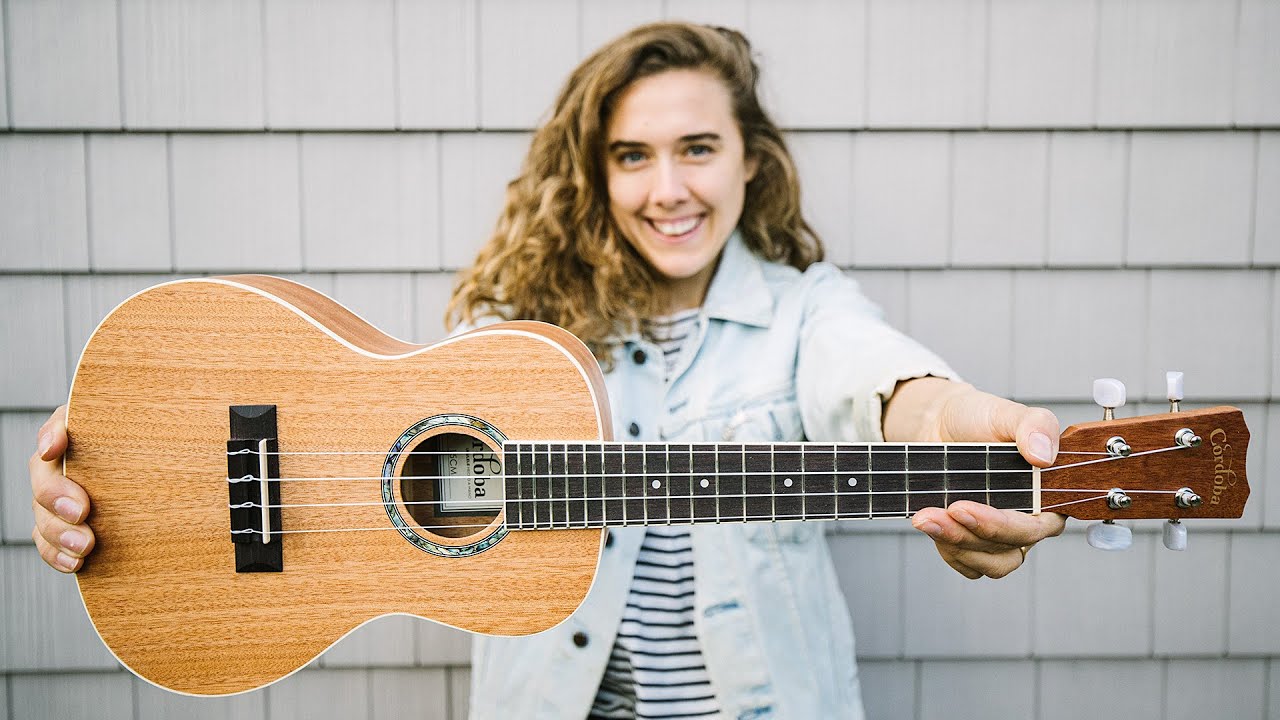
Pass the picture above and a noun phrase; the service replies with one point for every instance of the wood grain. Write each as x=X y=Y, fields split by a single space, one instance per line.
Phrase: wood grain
x=148 y=424
x=1215 y=470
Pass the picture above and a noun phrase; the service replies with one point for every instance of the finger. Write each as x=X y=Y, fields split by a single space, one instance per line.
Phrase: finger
x=1007 y=527
x=73 y=540
x=992 y=565
x=53 y=557
x=1035 y=430
x=945 y=529
x=951 y=560
x=51 y=439
x=52 y=490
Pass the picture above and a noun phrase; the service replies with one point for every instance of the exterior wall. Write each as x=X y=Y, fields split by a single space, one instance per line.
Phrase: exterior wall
x=1092 y=188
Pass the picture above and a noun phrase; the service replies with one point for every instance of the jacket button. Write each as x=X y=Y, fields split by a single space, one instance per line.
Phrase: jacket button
x=580 y=639
x=639 y=357
x=634 y=430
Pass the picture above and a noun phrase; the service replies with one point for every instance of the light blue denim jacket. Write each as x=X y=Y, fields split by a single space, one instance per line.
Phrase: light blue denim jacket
x=782 y=356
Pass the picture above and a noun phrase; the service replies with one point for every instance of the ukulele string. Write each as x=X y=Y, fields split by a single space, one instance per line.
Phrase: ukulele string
x=997 y=449
x=691 y=474
x=587 y=525
x=641 y=498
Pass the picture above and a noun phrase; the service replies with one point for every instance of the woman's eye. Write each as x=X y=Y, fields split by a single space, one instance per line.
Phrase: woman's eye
x=699 y=150
x=632 y=157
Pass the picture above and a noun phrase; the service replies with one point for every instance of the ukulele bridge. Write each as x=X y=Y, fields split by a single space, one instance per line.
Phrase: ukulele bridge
x=253 y=488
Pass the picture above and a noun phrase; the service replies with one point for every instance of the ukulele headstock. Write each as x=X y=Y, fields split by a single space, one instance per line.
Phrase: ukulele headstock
x=1170 y=466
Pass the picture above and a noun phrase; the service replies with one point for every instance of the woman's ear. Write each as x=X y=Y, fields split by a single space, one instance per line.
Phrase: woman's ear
x=752 y=165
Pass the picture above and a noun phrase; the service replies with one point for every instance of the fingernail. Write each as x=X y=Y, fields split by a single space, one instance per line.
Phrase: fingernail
x=72 y=541
x=1040 y=447
x=67 y=509
x=964 y=518
x=43 y=443
x=932 y=529
x=66 y=561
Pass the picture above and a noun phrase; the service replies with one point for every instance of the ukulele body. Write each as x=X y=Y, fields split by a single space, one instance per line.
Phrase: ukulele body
x=148 y=422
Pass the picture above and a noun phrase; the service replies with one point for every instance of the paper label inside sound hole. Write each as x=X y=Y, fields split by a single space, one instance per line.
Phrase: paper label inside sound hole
x=470 y=476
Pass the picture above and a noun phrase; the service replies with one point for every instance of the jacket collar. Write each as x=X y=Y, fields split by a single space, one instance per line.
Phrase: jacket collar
x=738 y=291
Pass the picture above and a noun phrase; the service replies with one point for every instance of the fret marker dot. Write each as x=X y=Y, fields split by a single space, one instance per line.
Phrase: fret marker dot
x=657 y=484
x=704 y=482
x=853 y=482
x=787 y=482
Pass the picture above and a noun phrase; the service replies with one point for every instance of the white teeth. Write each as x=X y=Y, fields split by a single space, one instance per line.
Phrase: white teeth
x=678 y=227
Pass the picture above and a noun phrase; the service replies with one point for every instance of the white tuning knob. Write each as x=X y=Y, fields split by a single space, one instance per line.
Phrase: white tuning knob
x=1175 y=535
x=1109 y=393
x=1173 y=379
x=1107 y=535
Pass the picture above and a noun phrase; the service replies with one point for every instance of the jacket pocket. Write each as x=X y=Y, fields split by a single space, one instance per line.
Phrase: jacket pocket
x=772 y=418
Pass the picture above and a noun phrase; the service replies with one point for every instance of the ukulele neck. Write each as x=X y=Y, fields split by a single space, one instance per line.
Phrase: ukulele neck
x=607 y=484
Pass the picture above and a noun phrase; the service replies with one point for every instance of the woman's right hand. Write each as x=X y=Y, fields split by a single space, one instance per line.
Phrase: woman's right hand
x=60 y=506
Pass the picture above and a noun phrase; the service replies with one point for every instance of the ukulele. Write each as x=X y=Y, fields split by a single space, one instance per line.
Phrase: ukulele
x=268 y=472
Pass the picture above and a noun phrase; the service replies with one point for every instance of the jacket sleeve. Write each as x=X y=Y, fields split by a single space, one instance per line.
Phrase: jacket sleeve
x=850 y=360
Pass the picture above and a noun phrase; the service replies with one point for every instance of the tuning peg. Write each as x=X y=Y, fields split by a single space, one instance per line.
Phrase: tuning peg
x=1175 y=535
x=1173 y=379
x=1107 y=535
x=1109 y=393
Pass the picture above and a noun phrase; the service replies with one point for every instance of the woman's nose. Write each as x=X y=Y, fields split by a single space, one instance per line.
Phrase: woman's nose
x=669 y=185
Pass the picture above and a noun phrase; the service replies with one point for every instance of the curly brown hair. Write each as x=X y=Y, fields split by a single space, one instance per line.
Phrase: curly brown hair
x=556 y=254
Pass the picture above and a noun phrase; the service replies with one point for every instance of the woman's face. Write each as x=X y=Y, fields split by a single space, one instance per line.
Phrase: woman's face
x=677 y=176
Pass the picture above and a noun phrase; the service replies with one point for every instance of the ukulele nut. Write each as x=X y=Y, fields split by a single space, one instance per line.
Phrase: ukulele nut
x=1186 y=498
x=1186 y=437
x=1117 y=447
x=1117 y=499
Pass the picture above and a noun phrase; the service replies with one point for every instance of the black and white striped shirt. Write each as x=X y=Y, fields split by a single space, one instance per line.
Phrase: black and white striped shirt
x=656 y=669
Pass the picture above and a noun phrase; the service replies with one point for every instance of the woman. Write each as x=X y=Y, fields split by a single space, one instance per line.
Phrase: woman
x=657 y=217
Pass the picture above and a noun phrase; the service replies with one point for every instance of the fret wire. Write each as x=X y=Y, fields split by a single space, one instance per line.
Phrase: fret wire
x=716 y=453
x=743 y=450
x=835 y=481
x=623 y=470
x=550 y=488
x=773 y=484
x=987 y=457
x=667 y=452
x=604 y=501
x=521 y=492
x=513 y=512
x=644 y=486
x=906 y=477
x=804 y=506
x=691 y=510
x=946 y=478
x=586 y=504
x=871 y=511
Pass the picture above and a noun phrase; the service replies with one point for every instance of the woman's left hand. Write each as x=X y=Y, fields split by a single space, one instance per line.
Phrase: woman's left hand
x=978 y=540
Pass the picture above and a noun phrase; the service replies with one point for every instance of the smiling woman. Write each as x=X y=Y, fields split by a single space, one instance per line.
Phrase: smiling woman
x=570 y=247
x=677 y=174
x=657 y=216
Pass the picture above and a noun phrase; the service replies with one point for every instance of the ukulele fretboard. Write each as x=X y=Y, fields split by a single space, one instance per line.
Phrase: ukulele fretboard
x=605 y=484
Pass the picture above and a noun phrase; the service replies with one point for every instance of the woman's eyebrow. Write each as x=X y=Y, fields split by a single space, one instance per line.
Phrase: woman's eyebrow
x=619 y=145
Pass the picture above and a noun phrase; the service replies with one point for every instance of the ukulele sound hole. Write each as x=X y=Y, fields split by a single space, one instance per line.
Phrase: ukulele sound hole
x=451 y=484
